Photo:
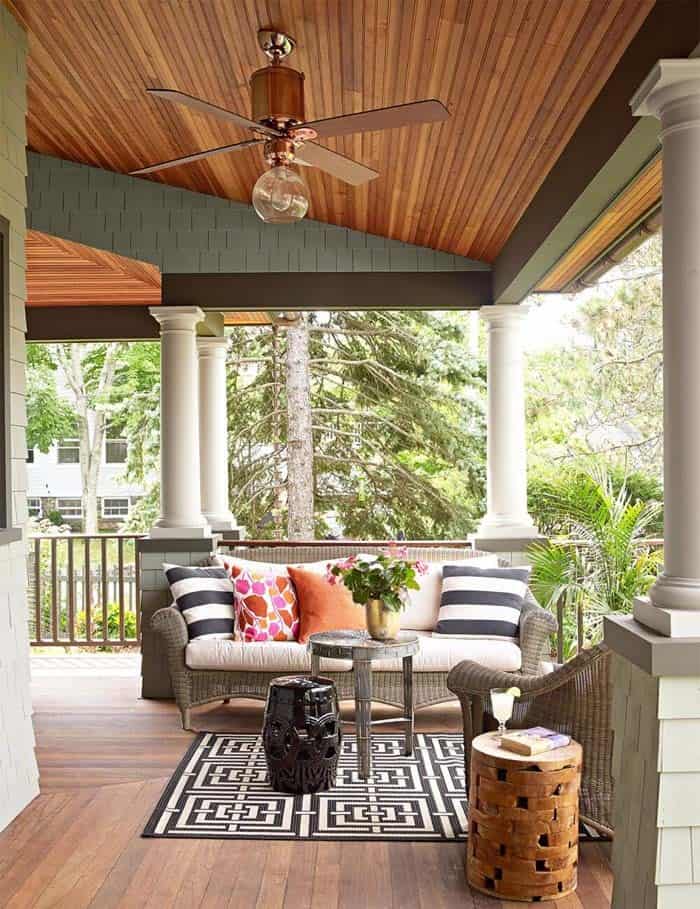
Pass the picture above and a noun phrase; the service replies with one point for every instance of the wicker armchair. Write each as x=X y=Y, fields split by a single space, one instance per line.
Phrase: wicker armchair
x=574 y=699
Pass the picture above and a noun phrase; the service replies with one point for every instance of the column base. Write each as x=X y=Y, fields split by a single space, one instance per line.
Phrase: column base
x=495 y=529
x=217 y=522
x=672 y=623
x=180 y=533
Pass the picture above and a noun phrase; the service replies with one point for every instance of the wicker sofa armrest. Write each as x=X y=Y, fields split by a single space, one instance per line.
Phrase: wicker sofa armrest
x=171 y=626
x=537 y=625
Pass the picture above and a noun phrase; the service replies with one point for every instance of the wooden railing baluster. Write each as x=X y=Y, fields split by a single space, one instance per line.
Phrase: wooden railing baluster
x=560 y=630
x=120 y=586
x=87 y=589
x=71 y=591
x=38 y=633
x=105 y=588
x=54 y=591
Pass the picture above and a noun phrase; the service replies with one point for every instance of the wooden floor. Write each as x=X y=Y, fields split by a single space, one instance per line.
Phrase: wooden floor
x=104 y=758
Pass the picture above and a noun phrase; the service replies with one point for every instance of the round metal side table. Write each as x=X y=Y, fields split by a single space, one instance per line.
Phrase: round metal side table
x=363 y=651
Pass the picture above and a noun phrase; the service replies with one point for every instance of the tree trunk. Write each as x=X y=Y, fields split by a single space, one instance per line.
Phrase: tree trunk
x=300 y=451
x=91 y=419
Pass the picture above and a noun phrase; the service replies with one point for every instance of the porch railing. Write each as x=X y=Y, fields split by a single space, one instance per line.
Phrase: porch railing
x=83 y=590
x=580 y=612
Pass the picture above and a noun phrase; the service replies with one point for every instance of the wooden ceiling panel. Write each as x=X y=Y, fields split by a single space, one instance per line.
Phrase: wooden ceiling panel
x=516 y=75
x=627 y=210
x=62 y=273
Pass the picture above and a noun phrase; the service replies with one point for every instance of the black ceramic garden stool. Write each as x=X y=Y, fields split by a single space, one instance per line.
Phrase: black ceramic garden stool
x=302 y=734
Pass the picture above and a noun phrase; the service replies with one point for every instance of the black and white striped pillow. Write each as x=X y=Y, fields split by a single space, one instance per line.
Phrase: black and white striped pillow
x=481 y=602
x=204 y=596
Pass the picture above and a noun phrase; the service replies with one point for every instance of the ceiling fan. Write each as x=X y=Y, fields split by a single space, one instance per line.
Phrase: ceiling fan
x=277 y=99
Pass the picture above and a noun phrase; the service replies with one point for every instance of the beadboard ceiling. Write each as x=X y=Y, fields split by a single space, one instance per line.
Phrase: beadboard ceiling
x=517 y=76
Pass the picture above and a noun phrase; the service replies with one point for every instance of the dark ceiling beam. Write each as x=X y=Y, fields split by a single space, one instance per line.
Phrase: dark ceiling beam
x=90 y=323
x=454 y=290
x=358 y=290
x=606 y=151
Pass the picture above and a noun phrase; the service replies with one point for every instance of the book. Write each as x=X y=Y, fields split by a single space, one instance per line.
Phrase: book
x=536 y=740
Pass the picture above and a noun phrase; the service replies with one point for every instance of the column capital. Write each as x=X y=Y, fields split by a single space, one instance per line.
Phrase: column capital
x=503 y=313
x=209 y=346
x=670 y=92
x=177 y=317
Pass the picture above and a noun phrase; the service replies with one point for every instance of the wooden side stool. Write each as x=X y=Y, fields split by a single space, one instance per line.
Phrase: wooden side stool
x=523 y=821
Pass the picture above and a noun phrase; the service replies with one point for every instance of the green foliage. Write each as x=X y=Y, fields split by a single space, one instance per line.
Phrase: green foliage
x=602 y=394
x=548 y=488
x=602 y=563
x=112 y=623
x=49 y=417
x=386 y=577
x=398 y=426
x=53 y=516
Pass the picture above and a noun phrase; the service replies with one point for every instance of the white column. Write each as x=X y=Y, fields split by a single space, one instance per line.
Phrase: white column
x=180 y=502
x=213 y=435
x=672 y=93
x=506 y=459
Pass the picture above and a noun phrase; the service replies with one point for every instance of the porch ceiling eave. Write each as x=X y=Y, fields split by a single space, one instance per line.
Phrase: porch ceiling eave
x=605 y=154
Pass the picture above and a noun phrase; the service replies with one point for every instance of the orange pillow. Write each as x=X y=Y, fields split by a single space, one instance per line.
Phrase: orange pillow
x=324 y=606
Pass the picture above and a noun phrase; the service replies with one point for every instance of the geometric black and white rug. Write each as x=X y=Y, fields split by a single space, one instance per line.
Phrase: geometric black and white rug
x=220 y=791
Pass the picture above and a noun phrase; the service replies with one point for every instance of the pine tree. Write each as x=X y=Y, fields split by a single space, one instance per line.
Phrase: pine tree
x=396 y=433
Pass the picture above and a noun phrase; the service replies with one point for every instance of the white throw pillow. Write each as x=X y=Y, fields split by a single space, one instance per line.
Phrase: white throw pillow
x=421 y=613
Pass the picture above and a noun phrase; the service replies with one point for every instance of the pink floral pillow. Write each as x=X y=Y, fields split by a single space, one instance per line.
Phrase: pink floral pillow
x=266 y=606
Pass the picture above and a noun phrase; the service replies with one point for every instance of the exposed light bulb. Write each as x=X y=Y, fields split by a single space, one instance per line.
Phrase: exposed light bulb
x=280 y=196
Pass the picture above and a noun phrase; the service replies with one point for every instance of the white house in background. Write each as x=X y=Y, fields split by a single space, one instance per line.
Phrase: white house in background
x=53 y=484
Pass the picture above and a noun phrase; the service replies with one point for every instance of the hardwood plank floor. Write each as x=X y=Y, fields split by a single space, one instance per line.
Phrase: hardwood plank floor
x=104 y=758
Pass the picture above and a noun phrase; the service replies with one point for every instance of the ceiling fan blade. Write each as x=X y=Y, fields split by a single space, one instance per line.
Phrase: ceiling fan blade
x=382 y=118
x=204 y=107
x=334 y=164
x=197 y=156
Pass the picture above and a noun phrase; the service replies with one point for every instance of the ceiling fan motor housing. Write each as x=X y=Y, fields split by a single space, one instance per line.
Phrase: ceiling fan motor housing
x=277 y=96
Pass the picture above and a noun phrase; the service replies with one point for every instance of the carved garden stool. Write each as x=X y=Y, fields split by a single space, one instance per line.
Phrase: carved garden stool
x=523 y=821
x=302 y=734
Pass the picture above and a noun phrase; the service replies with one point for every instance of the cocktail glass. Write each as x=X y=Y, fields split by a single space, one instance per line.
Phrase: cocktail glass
x=502 y=706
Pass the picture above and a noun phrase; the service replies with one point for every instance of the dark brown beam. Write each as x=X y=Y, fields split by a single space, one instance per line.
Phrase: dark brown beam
x=90 y=323
x=605 y=152
x=329 y=290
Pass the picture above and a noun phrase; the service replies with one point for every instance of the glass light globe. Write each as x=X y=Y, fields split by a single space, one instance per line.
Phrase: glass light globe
x=280 y=196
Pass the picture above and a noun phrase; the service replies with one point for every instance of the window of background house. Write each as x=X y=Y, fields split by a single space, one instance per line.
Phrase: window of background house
x=69 y=508
x=115 y=444
x=69 y=451
x=115 y=508
x=34 y=507
x=30 y=456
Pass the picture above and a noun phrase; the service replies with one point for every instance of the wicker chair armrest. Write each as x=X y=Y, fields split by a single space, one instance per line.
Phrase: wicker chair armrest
x=537 y=625
x=470 y=679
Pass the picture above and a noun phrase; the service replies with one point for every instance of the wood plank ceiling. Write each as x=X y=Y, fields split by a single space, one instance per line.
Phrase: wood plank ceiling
x=516 y=75
x=626 y=211
x=62 y=273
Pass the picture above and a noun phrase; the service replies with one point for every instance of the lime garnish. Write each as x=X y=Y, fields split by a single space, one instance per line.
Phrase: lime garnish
x=514 y=692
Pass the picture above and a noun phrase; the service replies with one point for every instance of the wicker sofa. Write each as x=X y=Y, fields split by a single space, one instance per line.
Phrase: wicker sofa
x=197 y=686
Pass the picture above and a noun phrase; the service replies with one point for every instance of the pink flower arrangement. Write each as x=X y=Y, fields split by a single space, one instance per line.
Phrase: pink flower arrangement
x=387 y=577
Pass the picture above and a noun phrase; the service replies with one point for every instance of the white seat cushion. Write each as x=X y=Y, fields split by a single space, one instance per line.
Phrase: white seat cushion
x=435 y=655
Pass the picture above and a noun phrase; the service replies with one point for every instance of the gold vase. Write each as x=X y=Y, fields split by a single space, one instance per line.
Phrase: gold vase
x=383 y=624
